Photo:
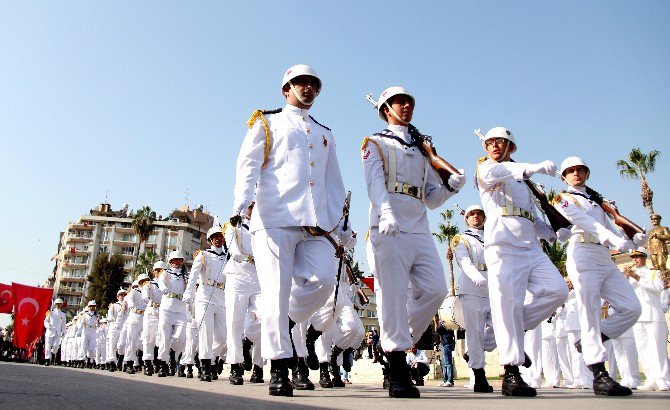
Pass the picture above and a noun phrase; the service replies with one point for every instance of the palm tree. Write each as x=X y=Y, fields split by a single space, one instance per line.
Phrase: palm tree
x=145 y=264
x=142 y=224
x=557 y=253
x=445 y=234
x=638 y=165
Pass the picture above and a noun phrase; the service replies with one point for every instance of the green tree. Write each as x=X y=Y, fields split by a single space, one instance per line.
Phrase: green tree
x=107 y=276
x=557 y=253
x=145 y=264
x=143 y=222
x=446 y=232
x=638 y=166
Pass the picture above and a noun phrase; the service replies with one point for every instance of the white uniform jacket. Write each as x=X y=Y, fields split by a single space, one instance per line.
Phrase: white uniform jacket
x=54 y=323
x=241 y=254
x=300 y=184
x=392 y=149
x=469 y=254
x=135 y=301
x=502 y=190
x=207 y=270
x=151 y=294
x=172 y=282
x=648 y=290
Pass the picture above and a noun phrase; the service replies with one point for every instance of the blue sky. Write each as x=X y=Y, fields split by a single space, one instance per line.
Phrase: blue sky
x=141 y=101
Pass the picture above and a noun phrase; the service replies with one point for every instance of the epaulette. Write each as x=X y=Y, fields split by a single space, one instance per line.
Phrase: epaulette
x=365 y=143
x=268 y=142
x=455 y=239
x=379 y=148
x=319 y=123
x=557 y=199
x=481 y=160
x=196 y=253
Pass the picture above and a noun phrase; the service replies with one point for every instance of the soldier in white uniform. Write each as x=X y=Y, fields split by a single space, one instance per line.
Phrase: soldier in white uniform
x=401 y=184
x=581 y=377
x=136 y=307
x=54 y=323
x=474 y=294
x=89 y=326
x=209 y=299
x=651 y=331
x=242 y=300
x=115 y=319
x=172 y=315
x=625 y=354
x=66 y=350
x=550 y=366
x=290 y=160
x=151 y=295
x=593 y=273
x=514 y=257
x=191 y=345
x=101 y=345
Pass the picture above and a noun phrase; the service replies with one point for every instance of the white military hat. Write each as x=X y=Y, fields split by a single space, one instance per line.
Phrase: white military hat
x=59 y=300
x=573 y=162
x=214 y=230
x=103 y=320
x=160 y=265
x=141 y=277
x=470 y=209
x=639 y=252
x=91 y=303
x=120 y=291
x=500 y=132
x=134 y=284
x=296 y=71
x=178 y=254
x=386 y=95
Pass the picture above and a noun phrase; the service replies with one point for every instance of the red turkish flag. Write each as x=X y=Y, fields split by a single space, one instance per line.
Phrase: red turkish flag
x=30 y=308
x=6 y=298
x=370 y=283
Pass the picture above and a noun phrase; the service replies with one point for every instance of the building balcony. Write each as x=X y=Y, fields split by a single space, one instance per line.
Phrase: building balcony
x=124 y=242
x=120 y=229
x=75 y=265
x=82 y=226
x=75 y=239
x=74 y=279
x=68 y=292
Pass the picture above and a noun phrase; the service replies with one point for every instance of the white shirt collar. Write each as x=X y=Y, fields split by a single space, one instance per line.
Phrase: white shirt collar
x=295 y=110
x=401 y=131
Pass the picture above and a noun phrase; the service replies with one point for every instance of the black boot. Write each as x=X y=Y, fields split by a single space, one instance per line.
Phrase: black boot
x=236 y=374
x=217 y=368
x=181 y=372
x=130 y=369
x=526 y=361
x=346 y=359
x=88 y=364
x=578 y=343
x=257 y=375
x=400 y=380
x=386 y=373
x=513 y=384
x=148 y=368
x=246 y=353
x=481 y=384
x=312 y=358
x=111 y=367
x=140 y=365
x=189 y=371
x=300 y=378
x=279 y=383
x=206 y=365
x=173 y=363
x=119 y=362
x=334 y=368
x=163 y=372
x=324 y=379
x=604 y=385
x=47 y=362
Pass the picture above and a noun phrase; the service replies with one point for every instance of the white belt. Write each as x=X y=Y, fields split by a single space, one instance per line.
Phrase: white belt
x=407 y=189
x=215 y=284
x=586 y=238
x=516 y=211
x=481 y=267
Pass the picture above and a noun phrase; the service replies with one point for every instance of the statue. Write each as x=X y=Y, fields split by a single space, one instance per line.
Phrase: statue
x=658 y=249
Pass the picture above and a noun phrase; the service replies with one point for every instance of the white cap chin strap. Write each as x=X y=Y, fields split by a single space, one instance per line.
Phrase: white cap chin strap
x=395 y=114
x=295 y=92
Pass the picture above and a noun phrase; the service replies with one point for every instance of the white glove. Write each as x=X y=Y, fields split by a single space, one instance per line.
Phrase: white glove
x=563 y=234
x=478 y=278
x=348 y=239
x=640 y=239
x=456 y=181
x=388 y=224
x=187 y=298
x=622 y=245
x=238 y=257
x=544 y=167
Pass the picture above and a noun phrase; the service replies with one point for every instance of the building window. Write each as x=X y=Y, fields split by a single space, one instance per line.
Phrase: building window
x=128 y=250
x=128 y=237
x=103 y=249
x=172 y=241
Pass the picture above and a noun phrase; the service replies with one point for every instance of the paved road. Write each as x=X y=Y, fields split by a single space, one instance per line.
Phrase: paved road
x=30 y=386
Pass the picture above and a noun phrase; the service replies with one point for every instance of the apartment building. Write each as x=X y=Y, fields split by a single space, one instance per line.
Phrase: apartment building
x=104 y=230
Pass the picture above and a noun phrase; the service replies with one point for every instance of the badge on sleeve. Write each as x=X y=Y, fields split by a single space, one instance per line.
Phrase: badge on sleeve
x=367 y=154
x=325 y=141
x=565 y=204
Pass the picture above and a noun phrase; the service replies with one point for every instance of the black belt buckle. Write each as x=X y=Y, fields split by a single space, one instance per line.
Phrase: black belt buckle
x=414 y=191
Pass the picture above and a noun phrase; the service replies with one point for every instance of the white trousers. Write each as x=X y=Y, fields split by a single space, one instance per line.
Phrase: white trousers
x=402 y=262
x=242 y=297
x=113 y=333
x=89 y=337
x=171 y=333
x=133 y=331
x=651 y=341
x=211 y=320
x=101 y=351
x=533 y=348
x=612 y=367
x=191 y=344
x=347 y=332
x=123 y=338
x=564 y=360
x=627 y=361
x=513 y=271
x=479 y=335
x=581 y=375
x=299 y=334
x=550 y=366
x=284 y=256
x=593 y=282
x=51 y=344
x=149 y=333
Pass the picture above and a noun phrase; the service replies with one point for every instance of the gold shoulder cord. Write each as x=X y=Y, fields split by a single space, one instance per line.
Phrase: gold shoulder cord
x=480 y=161
x=564 y=195
x=379 y=148
x=268 y=142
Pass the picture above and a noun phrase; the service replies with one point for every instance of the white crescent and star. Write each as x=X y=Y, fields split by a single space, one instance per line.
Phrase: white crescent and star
x=5 y=300
x=32 y=302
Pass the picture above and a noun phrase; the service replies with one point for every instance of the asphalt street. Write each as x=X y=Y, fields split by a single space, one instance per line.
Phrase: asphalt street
x=37 y=387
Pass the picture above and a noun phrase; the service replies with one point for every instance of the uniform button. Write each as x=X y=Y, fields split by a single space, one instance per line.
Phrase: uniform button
x=311 y=183
x=311 y=146
x=308 y=130
x=311 y=164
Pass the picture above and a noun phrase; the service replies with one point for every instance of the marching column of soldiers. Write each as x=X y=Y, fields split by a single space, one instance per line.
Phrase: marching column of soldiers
x=276 y=287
